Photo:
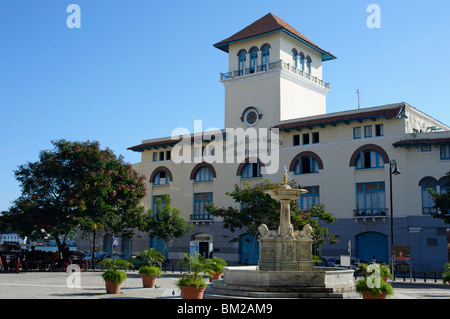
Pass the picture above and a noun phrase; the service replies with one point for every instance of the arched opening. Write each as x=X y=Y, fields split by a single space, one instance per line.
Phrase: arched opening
x=126 y=247
x=248 y=249
x=201 y=243
x=370 y=245
x=107 y=243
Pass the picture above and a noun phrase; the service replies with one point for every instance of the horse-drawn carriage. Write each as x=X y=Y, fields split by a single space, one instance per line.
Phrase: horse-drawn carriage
x=10 y=256
x=53 y=261
x=13 y=258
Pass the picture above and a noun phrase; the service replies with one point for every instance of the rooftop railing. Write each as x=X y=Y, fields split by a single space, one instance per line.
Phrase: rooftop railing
x=273 y=66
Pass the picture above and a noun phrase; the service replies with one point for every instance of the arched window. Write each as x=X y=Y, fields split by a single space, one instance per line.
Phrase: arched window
x=203 y=172
x=444 y=184
x=308 y=65
x=294 y=58
x=253 y=59
x=203 y=175
x=427 y=199
x=306 y=165
x=265 y=53
x=242 y=58
x=369 y=159
x=302 y=62
x=161 y=178
x=251 y=170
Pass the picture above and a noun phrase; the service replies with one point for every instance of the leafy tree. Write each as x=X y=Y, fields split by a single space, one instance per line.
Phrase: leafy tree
x=442 y=204
x=165 y=223
x=75 y=184
x=259 y=208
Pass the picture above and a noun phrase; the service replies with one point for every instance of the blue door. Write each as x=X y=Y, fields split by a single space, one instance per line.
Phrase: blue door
x=372 y=244
x=158 y=244
x=248 y=249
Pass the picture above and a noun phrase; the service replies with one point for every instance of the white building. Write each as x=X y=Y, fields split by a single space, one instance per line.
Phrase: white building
x=274 y=82
x=12 y=238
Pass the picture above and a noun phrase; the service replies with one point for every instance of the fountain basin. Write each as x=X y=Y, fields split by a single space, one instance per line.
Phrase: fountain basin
x=319 y=277
x=250 y=282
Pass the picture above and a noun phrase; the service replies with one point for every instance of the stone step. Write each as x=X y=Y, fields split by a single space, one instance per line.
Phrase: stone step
x=220 y=284
x=219 y=290
x=228 y=294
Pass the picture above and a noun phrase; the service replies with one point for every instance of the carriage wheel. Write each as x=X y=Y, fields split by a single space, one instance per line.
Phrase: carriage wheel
x=67 y=262
x=82 y=265
x=17 y=265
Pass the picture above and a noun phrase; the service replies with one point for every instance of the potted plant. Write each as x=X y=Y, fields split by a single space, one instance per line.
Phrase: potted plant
x=114 y=277
x=446 y=274
x=149 y=272
x=376 y=290
x=192 y=286
x=215 y=268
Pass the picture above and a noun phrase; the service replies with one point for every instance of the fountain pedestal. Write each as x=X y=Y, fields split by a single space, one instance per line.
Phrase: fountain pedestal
x=285 y=254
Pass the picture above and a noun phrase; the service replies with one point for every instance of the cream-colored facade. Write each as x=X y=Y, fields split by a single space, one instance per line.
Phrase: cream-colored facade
x=343 y=159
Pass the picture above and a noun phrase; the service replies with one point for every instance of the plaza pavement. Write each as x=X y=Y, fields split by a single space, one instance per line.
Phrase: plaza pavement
x=57 y=285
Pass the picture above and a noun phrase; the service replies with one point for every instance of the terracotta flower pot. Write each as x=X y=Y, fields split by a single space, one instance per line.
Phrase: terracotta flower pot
x=192 y=292
x=148 y=281
x=216 y=276
x=368 y=295
x=112 y=288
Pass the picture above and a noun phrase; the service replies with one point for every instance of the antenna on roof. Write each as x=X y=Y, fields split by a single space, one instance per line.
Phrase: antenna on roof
x=357 y=92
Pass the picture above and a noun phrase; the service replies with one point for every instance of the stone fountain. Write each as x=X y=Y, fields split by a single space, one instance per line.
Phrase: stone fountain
x=285 y=268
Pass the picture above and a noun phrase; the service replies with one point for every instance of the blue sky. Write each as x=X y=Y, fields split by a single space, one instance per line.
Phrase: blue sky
x=137 y=69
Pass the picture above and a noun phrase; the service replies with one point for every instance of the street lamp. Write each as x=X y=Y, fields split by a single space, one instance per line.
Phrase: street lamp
x=392 y=171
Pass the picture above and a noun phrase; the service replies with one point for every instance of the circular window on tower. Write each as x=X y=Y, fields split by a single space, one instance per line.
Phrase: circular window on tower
x=250 y=116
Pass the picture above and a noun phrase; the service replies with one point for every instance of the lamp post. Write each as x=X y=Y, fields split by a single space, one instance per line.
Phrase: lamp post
x=392 y=171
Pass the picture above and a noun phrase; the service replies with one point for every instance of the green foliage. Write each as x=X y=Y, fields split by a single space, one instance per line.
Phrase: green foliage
x=166 y=223
x=116 y=264
x=196 y=264
x=152 y=256
x=215 y=265
x=442 y=204
x=191 y=280
x=75 y=185
x=150 y=271
x=115 y=276
x=259 y=208
x=446 y=274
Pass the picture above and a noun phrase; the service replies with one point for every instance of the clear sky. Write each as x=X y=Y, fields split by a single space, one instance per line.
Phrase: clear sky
x=138 y=69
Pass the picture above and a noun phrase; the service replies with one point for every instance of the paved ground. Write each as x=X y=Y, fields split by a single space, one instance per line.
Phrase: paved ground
x=420 y=290
x=90 y=285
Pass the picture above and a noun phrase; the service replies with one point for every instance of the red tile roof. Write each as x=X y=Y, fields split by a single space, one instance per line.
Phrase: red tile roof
x=147 y=146
x=389 y=112
x=421 y=141
x=269 y=23
x=169 y=142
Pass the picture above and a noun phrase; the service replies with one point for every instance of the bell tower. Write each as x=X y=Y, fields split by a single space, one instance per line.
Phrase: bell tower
x=274 y=75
